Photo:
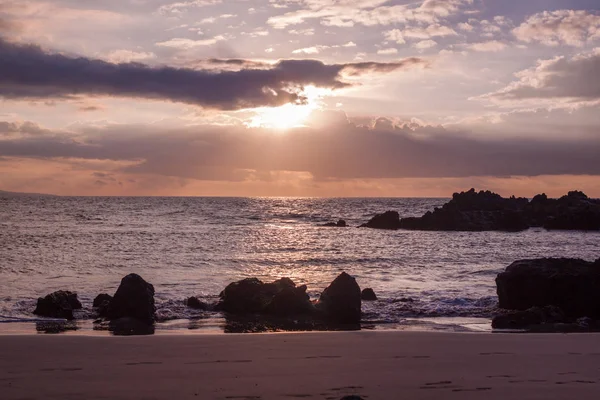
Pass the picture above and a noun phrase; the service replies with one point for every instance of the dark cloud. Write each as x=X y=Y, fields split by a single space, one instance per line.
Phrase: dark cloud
x=27 y=71
x=334 y=150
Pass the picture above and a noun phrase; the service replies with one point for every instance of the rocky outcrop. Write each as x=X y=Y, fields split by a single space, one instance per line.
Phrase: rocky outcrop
x=487 y=211
x=133 y=299
x=575 y=211
x=251 y=295
x=529 y=318
x=340 y=224
x=368 y=294
x=341 y=301
x=573 y=285
x=389 y=220
x=473 y=211
x=59 y=304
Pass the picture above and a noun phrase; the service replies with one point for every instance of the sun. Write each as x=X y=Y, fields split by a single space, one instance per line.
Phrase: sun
x=289 y=115
x=283 y=117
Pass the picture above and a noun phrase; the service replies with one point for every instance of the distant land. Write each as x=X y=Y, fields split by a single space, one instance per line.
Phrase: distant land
x=4 y=193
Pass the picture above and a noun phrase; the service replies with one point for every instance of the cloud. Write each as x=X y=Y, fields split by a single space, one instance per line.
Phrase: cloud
x=434 y=30
x=388 y=51
x=330 y=151
x=179 y=7
x=425 y=44
x=347 y=13
x=127 y=56
x=490 y=46
x=27 y=71
x=186 y=44
x=552 y=28
x=560 y=78
x=310 y=50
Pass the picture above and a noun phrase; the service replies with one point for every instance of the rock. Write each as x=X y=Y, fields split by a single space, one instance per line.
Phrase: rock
x=101 y=300
x=251 y=295
x=340 y=224
x=573 y=285
x=59 y=304
x=368 y=295
x=528 y=318
x=390 y=220
x=290 y=301
x=101 y=304
x=487 y=211
x=351 y=397
x=340 y=301
x=195 y=303
x=133 y=299
x=473 y=211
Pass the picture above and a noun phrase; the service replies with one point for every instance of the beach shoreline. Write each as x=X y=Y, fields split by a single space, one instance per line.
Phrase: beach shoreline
x=324 y=365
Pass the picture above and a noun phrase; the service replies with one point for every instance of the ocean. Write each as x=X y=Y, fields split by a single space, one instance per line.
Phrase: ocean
x=196 y=246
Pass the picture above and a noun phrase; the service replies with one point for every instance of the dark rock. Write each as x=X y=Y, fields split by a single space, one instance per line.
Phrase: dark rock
x=528 y=318
x=487 y=211
x=251 y=295
x=101 y=304
x=59 y=304
x=573 y=285
x=102 y=299
x=351 y=397
x=368 y=295
x=340 y=301
x=473 y=211
x=390 y=220
x=195 y=303
x=133 y=299
x=290 y=301
x=340 y=224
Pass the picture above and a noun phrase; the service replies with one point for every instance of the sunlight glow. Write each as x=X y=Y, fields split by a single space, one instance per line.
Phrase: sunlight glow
x=289 y=115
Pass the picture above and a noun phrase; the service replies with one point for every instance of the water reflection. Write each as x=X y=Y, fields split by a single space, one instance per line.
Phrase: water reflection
x=125 y=327
x=261 y=324
x=55 y=326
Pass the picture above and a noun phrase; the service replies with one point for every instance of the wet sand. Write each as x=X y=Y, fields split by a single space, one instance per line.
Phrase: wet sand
x=374 y=365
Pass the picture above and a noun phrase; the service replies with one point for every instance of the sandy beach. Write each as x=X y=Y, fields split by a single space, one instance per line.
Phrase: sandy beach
x=373 y=365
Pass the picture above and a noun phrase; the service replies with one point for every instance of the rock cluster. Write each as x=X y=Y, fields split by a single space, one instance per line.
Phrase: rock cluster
x=340 y=301
x=487 y=211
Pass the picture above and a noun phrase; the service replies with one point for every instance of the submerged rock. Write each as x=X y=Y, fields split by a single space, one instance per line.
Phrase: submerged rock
x=59 y=304
x=389 y=220
x=368 y=294
x=340 y=224
x=133 y=299
x=341 y=301
x=529 y=318
x=573 y=285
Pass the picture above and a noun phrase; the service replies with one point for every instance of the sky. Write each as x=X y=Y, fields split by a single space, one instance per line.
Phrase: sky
x=332 y=98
